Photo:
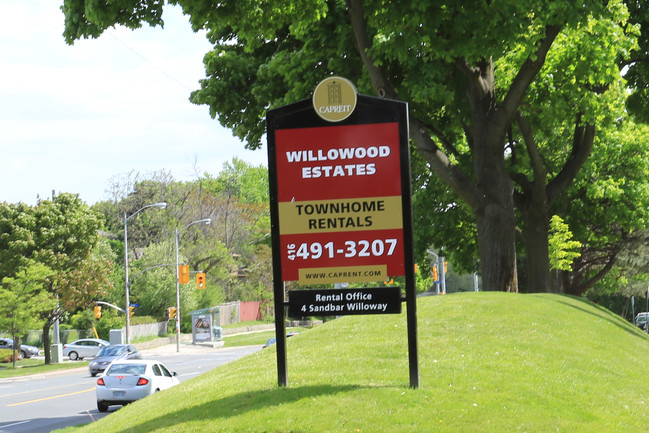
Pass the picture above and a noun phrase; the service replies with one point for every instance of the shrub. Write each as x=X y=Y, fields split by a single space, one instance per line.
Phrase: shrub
x=6 y=355
x=108 y=322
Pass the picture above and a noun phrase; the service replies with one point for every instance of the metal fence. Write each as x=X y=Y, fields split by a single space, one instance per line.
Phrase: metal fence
x=35 y=337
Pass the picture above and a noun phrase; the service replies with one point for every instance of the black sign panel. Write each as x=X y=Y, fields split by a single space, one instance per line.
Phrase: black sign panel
x=344 y=302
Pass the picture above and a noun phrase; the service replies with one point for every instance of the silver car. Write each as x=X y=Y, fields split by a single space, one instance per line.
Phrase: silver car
x=84 y=348
x=111 y=353
x=128 y=380
x=26 y=351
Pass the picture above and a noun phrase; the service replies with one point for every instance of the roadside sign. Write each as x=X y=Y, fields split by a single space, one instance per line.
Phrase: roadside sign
x=340 y=206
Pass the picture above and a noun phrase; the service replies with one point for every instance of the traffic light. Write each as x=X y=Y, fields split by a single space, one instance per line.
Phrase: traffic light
x=183 y=274
x=435 y=273
x=200 y=280
x=97 y=312
x=131 y=311
x=445 y=266
x=171 y=313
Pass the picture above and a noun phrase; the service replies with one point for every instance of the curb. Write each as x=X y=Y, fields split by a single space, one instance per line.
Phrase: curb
x=43 y=375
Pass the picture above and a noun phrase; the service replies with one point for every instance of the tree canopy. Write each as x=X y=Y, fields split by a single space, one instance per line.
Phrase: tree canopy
x=505 y=97
x=231 y=250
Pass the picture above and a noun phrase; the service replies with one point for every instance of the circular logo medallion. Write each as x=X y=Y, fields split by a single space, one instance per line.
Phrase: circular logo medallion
x=334 y=99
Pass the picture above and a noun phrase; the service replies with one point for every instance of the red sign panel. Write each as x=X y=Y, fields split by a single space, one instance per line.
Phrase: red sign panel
x=339 y=201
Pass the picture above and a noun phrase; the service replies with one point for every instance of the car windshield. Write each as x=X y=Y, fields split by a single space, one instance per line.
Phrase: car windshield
x=126 y=369
x=111 y=351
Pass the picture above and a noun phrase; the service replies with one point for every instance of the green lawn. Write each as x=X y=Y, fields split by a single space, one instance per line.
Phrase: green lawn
x=248 y=323
x=255 y=338
x=489 y=362
x=27 y=367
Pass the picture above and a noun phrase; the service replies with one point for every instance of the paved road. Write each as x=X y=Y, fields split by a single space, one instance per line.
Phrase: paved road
x=47 y=402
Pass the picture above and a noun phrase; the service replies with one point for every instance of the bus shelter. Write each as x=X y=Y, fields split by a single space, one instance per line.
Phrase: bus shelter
x=205 y=326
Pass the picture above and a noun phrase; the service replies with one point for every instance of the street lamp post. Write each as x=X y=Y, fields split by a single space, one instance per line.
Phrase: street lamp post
x=126 y=283
x=203 y=221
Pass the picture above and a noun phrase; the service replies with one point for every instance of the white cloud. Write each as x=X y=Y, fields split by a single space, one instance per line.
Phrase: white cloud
x=73 y=117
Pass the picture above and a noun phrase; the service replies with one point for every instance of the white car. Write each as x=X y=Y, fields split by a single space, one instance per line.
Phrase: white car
x=125 y=381
x=84 y=348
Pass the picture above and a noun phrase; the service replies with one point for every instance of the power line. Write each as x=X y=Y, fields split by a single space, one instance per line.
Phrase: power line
x=162 y=71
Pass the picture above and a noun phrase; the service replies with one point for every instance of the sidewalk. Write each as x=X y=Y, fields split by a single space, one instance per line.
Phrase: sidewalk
x=185 y=348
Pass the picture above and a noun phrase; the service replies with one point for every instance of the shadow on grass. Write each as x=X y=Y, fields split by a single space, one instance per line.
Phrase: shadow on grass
x=602 y=313
x=238 y=404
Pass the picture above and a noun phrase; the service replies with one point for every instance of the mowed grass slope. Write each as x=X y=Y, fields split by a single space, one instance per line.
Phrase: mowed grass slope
x=489 y=362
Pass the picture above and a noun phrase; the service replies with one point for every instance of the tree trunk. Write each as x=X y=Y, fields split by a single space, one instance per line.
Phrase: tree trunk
x=536 y=197
x=46 y=343
x=496 y=227
x=497 y=252
x=16 y=349
x=536 y=242
x=494 y=210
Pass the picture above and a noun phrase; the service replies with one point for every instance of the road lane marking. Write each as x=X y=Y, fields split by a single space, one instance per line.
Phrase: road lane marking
x=33 y=391
x=16 y=423
x=53 y=397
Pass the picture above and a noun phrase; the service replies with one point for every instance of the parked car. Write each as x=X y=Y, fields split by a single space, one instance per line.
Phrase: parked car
x=84 y=348
x=273 y=340
x=26 y=351
x=129 y=380
x=641 y=320
x=108 y=354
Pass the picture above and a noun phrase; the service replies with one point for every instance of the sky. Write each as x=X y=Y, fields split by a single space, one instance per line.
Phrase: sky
x=74 y=118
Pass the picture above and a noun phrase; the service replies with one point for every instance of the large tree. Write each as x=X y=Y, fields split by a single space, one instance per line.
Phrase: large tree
x=23 y=299
x=467 y=70
x=606 y=208
x=61 y=235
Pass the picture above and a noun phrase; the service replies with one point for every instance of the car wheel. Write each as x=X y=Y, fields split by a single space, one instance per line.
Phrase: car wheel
x=73 y=356
x=101 y=407
x=93 y=374
x=21 y=355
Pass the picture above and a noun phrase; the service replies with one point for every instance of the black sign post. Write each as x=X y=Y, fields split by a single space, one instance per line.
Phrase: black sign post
x=340 y=207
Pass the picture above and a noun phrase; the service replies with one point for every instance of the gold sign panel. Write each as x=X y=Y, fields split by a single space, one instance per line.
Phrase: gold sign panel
x=323 y=216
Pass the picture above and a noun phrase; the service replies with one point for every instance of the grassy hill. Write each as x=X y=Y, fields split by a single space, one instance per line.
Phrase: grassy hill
x=489 y=362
